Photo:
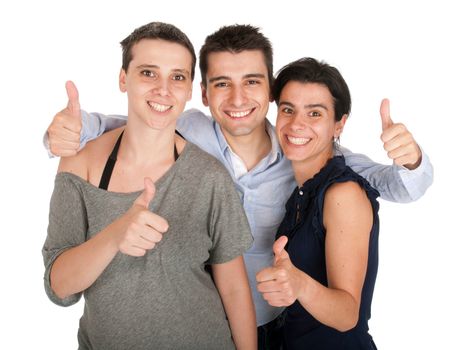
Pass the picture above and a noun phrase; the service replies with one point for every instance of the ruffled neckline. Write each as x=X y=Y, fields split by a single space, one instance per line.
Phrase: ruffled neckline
x=333 y=168
x=302 y=196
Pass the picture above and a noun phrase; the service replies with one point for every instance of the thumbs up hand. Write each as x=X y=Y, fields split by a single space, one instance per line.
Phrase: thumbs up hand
x=139 y=229
x=280 y=254
x=399 y=143
x=282 y=283
x=65 y=130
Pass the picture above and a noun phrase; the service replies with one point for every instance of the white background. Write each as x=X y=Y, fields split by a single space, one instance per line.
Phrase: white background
x=411 y=52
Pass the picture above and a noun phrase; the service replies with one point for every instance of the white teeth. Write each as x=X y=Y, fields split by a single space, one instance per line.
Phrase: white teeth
x=158 y=107
x=298 y=140
x=239 y=114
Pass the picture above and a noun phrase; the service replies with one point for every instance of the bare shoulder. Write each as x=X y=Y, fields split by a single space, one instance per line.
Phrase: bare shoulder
x=98 y=151
x=345 y=192
x=347 y=201
x=91 y=159
x=75 y=165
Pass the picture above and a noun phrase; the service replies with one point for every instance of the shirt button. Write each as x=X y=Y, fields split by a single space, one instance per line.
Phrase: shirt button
x=301 y=192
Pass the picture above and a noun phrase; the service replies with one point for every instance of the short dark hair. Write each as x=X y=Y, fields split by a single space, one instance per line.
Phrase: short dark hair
x=310 y=70
x=235 y=39
x=157 y=30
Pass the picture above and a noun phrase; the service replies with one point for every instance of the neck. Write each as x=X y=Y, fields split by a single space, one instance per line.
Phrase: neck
x=142 y=144
x=308 y=168
x=251 y=148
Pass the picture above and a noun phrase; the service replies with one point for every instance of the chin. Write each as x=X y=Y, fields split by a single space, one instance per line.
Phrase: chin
x=241 y=131
x=156 y=125
x=297 y=155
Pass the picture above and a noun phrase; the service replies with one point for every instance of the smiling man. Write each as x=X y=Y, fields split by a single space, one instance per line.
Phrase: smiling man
x=236 y=64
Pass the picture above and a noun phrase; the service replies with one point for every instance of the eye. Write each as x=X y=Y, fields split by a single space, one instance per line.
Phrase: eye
x=253 y=82
x=221 y=84
x=179 y=77
x=147 y=73
x=286 y=110
x=314 y=114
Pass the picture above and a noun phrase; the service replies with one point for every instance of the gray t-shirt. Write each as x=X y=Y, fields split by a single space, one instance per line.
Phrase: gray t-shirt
x=165 y=299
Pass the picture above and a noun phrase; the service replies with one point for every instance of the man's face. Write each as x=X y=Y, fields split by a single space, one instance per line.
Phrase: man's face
x=237 y=91
x=158 y=82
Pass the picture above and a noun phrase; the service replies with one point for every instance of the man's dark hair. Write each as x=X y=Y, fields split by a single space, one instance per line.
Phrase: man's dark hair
x=310 y=70
x=235 y=39
x=157 y=30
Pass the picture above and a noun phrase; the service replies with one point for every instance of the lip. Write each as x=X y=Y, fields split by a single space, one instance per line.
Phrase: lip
x=159 y=107
x=297 y=141
x=244 y=113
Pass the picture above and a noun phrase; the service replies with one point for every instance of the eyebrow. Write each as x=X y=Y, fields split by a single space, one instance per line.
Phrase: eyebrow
x=247 y=76
x=178 y=70
x=221 y=77
x=255 y=75
x=309 y=106
x=148 y=66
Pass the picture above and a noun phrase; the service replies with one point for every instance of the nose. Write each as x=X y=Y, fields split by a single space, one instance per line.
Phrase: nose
x=162 y=87
x=297 y=123
x=238 y=97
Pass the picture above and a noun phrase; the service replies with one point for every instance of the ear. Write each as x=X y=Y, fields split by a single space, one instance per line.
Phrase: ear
x=122 y=80
x=204 y=94
x=271 y=96
x=340 y=126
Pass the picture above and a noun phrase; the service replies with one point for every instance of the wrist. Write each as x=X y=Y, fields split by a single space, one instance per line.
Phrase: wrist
x=307 y=288
x=109 y=239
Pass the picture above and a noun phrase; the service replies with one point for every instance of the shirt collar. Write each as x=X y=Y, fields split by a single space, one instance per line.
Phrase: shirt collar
x=220 y=136
x=276 y=152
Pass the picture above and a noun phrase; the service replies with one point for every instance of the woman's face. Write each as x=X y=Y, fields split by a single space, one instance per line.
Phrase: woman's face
x=158 y=82
x=306 y=125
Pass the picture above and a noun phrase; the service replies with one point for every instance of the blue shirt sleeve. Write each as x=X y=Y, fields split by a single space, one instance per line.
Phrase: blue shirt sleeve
x=394 y=183
x=95 y=124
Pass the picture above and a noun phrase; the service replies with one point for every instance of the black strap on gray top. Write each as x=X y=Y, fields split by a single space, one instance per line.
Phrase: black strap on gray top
x=108 y=170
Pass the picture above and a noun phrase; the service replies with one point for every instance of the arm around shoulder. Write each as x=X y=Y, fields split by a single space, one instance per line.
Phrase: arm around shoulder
x=394 y=183
x=418 y=180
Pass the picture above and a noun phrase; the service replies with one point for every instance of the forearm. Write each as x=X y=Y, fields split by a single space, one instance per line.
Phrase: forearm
x=333 y=307
x=233 y=286
x=95 y=124
x=77 y=268
x=393 y=182
x=239 y=308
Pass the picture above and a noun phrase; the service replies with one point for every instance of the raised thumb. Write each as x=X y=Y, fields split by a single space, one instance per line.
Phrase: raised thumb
x=278 y=247
x=73 y=99
x=147 y=195
x=385 y=112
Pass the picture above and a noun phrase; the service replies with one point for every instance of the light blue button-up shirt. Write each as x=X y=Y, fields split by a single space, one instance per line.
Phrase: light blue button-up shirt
x=265 y=189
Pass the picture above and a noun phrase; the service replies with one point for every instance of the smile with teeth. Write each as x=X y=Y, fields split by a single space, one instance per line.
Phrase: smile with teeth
x=298 y=140
x=159 y=107
x=240 y=114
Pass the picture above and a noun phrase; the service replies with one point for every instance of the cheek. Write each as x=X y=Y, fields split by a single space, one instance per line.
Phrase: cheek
x=327 y=132
x=138 y=87
x=261 y=97
x=182 y=93
x=280 y=129
x=279 y=124
x=214 y=99
x=266 y=97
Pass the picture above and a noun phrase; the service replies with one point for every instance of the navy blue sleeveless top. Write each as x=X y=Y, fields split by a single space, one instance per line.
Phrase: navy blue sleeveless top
x=303 y=224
